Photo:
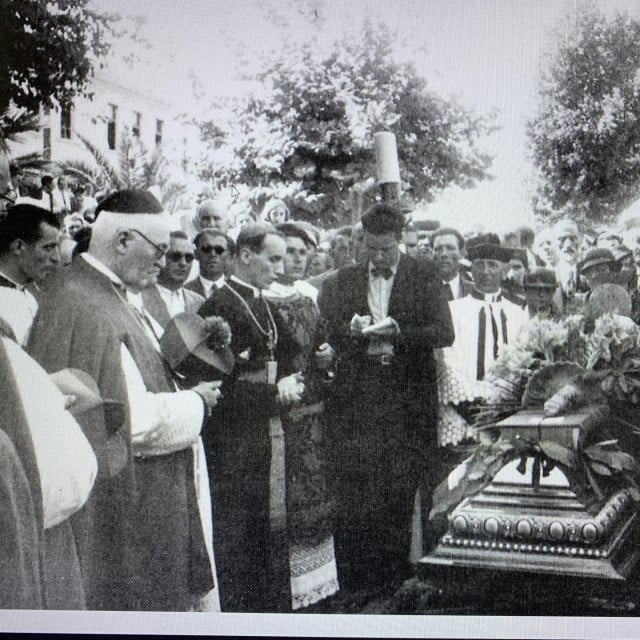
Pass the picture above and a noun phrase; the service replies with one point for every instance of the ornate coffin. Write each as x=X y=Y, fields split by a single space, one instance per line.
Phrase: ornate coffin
x=532 y=523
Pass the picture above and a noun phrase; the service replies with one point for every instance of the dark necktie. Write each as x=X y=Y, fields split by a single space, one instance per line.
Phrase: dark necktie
x=448 y=291
x=482 y=336
x=381 y=273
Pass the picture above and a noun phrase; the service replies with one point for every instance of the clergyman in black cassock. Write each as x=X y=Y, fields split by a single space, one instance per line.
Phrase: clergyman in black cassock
x=252 y=571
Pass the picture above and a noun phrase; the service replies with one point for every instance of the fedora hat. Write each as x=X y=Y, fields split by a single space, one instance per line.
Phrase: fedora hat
x=540 y=279
x=488 y=251
x=595 y=257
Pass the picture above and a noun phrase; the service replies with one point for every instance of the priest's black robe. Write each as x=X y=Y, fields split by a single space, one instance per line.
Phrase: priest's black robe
x=238 y=448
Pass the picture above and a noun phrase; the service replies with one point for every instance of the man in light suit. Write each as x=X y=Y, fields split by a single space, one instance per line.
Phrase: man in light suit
x=384 y=407
x=168 y=297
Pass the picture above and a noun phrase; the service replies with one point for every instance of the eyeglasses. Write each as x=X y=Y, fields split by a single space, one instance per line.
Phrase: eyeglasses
x=160 y=251
x=176 y=256
x=8 y=198
x=208 y=249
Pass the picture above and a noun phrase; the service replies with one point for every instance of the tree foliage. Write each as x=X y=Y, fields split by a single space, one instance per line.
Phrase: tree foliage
x=585 y=138
x=135 y=167
x=48 y=49
x=306 y=132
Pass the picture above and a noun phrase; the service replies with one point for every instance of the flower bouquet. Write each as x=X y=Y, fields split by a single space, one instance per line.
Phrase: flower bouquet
x=557 y=366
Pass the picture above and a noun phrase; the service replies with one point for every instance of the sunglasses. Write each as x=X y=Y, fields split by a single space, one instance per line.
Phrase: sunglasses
x=160 y=251
x=176 y=256
x=208 y=249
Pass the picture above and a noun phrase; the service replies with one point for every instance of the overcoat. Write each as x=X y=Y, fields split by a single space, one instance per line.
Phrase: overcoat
x=139 y=536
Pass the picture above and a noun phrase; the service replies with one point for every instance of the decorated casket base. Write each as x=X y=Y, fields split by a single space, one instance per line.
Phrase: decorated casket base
x=526 y=522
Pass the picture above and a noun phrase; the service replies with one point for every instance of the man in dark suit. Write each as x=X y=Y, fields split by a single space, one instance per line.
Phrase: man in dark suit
x=213 y=253
x=168 y=297
x=448 y=248
x=385 y=401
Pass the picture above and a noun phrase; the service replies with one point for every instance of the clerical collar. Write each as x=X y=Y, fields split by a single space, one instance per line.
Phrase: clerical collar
x=135 y=299
x=6 y=281
x=256 y=291
x=100 y=266
x=487 y=297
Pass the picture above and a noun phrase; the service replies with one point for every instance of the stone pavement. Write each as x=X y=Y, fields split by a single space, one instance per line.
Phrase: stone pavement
x=493 y=593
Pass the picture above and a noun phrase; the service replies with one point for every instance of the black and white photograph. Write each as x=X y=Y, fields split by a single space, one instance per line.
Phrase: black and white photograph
x=320 y=317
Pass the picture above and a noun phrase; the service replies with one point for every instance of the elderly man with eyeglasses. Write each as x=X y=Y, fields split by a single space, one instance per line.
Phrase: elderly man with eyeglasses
x=168 y=297
x=144 y=537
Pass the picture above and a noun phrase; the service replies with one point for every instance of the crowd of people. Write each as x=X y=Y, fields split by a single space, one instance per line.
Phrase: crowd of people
x=241 y=414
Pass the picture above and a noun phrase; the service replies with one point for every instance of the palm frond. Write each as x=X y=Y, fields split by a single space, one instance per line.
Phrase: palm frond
x=111 y=173
x=126 y=162
x=27 y=161
x=14 y=123
x=171 y=194
x=83 y=170
x=154 y=167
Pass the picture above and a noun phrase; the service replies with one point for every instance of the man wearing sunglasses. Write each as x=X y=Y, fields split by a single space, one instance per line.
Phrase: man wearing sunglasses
x=213 y=251
x=169 y=297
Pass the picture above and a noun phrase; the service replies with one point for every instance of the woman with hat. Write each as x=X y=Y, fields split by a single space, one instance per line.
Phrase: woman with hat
x=540 y=289
x=275 y=211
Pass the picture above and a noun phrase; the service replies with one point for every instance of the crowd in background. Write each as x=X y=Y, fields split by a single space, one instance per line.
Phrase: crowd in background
x=282 y=484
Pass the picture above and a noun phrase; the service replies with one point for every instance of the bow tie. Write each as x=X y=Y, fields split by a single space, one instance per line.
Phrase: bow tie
x=381 y=273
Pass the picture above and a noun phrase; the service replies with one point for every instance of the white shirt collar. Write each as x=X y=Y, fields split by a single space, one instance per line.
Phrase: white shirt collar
x=100 y=266
x=18 y=286
x=173 y=293
x=493 y=297
x=256 y=291
x=454 y=283
x=136 y=300
x=209 y=284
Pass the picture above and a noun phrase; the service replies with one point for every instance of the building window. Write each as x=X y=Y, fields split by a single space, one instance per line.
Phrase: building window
x=65 y=121
x=111 y=126
x=137 y=124
x=159 y=124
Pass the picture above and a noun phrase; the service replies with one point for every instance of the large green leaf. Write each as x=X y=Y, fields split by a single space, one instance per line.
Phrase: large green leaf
x=601 y=469
x=557 y=452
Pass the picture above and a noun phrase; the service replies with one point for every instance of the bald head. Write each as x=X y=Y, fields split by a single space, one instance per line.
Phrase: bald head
x=131 y=237
x=213 y=214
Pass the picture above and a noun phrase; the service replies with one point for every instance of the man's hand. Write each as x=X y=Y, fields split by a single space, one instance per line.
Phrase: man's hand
x=210 y=394
x=358 y=323
x=324 y=356
x=291 y=388
x=386 y=327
